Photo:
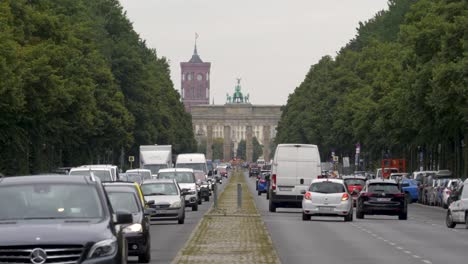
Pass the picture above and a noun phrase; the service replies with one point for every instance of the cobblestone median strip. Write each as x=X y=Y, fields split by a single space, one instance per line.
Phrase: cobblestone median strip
x=229 y=235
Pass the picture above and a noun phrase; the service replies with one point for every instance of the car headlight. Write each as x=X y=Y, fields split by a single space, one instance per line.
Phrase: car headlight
x=135 y=228
x=103 y=248
x=176 y=204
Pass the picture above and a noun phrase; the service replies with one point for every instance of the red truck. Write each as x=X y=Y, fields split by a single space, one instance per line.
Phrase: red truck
x=390 y=166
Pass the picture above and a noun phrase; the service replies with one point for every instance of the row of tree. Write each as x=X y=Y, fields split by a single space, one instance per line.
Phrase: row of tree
x=399 y=88
x=78 y=85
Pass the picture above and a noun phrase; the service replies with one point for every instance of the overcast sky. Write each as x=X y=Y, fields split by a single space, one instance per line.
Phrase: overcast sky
x=270 y=44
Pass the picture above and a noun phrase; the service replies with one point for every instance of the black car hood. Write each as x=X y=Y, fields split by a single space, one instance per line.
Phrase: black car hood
x=31 y=232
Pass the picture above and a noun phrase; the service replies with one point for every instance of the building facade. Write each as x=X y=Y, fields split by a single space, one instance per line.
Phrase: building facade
x=195 y=81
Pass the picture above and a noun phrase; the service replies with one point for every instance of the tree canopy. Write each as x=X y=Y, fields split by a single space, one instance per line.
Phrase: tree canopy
x=400 y=86
x=78 y=85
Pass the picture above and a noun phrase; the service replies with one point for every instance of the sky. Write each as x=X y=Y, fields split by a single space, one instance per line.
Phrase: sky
x=270 y=44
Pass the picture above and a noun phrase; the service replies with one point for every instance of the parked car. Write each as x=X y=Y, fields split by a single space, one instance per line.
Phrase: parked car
x=457 y=211
x=354 y=185
x=327 y=197
x=382 y=197
x=411 y=190
x=126 y=198
x=186 y=181
x=294 y=168
x=62 y=219
x=451 y=186
x=166 y=199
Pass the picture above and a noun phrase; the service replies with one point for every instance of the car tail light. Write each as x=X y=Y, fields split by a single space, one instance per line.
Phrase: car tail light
x=308 y=196
x=399 y=195
x=345 y=197
x=273 y=185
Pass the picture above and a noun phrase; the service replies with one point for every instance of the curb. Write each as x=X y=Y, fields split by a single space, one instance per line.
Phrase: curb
x=179 y=254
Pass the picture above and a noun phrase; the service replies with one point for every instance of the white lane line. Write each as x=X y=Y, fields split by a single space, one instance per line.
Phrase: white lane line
x=416 y=256
x=400 y=248
x=426 y=261
x=391 y=243
x=407 y=252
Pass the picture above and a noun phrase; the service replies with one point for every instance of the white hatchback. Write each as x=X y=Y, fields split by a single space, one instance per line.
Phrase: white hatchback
x=327 y=197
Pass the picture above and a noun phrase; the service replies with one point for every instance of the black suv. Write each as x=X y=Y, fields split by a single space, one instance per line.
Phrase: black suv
x=59 y=219
x=382 y=197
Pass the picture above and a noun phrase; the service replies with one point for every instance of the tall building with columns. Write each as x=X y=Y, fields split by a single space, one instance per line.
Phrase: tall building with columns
x=195 y=86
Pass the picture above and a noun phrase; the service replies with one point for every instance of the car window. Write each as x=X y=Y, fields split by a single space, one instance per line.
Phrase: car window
x=383 y=188
x=159 y=189
x=180 y=177
x=359 y=182
x=49 y=201
x=123 y=201
x=103 y=175
x=327 y=187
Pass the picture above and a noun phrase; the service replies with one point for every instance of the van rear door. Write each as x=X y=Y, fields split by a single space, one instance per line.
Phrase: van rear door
x=286 y=169
x=308 y=167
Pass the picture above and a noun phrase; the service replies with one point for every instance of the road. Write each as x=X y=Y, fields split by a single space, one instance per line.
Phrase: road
x=423 y=238
x=168 y=237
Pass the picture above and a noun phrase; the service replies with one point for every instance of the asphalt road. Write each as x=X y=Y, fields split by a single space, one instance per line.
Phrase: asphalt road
x=423 y=238
x=168 y=237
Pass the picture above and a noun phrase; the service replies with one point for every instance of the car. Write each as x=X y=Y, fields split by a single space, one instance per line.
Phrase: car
x=203 y=186
x=327 y=197
x=382 y=197
x=411 y=190
x=186 y=181
x=354 y=185
x=114 y=169
x=61 y=220
x=254 y=170
x=262 y=183
x=166 y=199
x=223 y=171
x=451 y=186
x=104 y=174
x=294 y=168
x=125 y=197
x=457 y=212
x=138 y=175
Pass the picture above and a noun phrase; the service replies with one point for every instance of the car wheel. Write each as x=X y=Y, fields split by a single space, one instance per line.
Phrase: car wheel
x=445 y=205
x=305 y=216
x=408 y=198
x=181 y=220
x=449 y=220
x=272 y=206
x=200 y=201
x=466 y=220
x=359 y=214
x=349 y=217
x=268 y=195
x=207 y=198
x=403 y=216
x=146 y=257
x=195 y=207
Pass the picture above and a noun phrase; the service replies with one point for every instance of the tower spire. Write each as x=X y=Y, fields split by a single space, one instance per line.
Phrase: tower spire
x=195 y=52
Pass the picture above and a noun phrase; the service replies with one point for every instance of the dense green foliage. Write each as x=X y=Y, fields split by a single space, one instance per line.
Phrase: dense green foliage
x=399 y=86
x=78 y=85
x=242 y=149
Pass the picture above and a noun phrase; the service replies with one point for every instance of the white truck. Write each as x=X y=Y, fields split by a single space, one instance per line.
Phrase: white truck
x=155 y=157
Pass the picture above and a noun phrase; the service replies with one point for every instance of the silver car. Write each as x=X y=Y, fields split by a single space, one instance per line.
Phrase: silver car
x=327 y=197
x=447 y=191
x=165 y=199
x=457 y=211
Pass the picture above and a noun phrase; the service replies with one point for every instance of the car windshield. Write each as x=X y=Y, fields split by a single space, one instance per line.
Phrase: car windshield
x=383 y=188
x=359 y=182
x=180 y=177
x=103 y=175
x=159 y=189
x=49 y=201
x=327 y=187
x=123 y=201
x=154 y=168
x=193 y=166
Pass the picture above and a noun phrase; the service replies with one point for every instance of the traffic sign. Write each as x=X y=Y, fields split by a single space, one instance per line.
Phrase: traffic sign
x=131 y=158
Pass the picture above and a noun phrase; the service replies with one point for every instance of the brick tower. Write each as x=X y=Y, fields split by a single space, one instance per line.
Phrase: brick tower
x=195 y=88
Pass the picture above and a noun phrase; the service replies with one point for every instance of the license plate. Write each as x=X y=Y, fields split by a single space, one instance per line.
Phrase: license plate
x=326 y=209
x=163 y=211
x=285 y=188
x=384 y=199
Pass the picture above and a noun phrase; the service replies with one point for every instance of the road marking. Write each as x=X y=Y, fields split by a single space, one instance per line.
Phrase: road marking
x=391 y=243
x=400 y=248
x=407 y=252
x=426 y=261
x=416 y=256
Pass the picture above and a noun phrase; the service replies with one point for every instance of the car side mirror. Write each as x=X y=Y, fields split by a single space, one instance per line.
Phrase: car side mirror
x=303 y=191
x=150 y=202
x=123 y=218
x=149 y=211
x=184 y=192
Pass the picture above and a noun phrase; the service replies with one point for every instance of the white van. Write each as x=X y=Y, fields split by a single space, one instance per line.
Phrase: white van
x=195 y=161
x=293 y=169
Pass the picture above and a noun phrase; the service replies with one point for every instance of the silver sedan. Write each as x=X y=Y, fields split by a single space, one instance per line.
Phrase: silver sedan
x=327 y=197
